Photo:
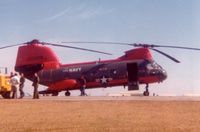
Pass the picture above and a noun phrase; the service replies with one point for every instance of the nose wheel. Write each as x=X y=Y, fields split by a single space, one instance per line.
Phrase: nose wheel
x=146 y=92
x=67 y=93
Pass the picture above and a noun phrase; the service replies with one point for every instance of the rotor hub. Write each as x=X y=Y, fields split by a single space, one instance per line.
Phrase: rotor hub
x=34 y=41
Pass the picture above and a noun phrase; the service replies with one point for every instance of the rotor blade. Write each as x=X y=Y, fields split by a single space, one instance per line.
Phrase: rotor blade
x=168 y=56
x=133 y=44
x=9 y=46
x=164 y=46
x=72 y=47
x=93 y=42
x=177 y=47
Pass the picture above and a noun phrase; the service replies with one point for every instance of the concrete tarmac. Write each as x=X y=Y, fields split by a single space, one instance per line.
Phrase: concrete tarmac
x=118 y=98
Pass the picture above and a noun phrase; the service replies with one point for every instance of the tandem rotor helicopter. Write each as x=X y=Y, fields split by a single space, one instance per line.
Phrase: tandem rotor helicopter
x=135 y=67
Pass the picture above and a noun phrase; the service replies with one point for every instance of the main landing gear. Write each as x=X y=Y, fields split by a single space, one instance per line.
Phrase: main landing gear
x=146 y=92
x=67 y=93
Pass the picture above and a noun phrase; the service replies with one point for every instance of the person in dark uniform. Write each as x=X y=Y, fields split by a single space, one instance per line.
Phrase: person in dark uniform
x=82 y=82
x=21 y=85
x=11 y=74
x=35 y=85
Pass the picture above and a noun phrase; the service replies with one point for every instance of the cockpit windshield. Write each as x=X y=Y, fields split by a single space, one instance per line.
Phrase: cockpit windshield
x=153 y=68
x=153 y=65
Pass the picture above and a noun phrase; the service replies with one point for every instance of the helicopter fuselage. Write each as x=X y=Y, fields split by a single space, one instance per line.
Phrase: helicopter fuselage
x=134 y=68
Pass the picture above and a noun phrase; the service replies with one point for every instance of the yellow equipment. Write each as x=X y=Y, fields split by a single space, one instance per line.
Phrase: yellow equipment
x=5 y=86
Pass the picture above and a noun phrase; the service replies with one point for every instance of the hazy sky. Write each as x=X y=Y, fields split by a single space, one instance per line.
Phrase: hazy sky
x=163 y=22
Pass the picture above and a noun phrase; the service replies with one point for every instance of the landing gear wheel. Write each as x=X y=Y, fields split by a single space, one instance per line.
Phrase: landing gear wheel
x=146 y=92
x=67 y=93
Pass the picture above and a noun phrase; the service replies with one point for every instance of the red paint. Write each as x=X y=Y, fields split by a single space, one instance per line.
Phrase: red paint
x=150 y=79
x=36 y=54
x=63 y=85
x=139 y=53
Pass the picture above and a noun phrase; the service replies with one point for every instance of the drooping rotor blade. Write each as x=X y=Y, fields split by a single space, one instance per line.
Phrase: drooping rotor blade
x=164 y=46
x=9 y=46
x=72 y=47
x=179 y=47
x=168 y=56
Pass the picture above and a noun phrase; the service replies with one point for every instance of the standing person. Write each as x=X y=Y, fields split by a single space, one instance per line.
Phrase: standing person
x=21 y=85
x=11 y=74
x=35 y=85
x=14 y=85
x=82 y=81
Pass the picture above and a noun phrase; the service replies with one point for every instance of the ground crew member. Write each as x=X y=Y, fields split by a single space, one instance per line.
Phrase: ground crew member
x=21 y=85
x=11 y=74
x=35 y=85
x=14 y=85
x=82 y=82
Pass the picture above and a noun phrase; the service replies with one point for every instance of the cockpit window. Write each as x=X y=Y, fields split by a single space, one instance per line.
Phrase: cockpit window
x=153 y=65
x=149 y=66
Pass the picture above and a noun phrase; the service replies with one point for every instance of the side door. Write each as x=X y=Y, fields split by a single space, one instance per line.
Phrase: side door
x=132 y=71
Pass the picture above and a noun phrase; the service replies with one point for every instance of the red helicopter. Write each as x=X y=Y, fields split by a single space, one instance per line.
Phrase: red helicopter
x=133 y=68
